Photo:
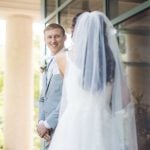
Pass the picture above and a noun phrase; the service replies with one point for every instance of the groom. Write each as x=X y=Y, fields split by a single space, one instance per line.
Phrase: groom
x=49 y=101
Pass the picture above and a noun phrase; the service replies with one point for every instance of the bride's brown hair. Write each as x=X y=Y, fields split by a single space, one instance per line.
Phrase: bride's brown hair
x=110 y=62
x=74 y=20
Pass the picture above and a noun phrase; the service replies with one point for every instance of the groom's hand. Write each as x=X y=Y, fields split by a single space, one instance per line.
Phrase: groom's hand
x=41 y=129
x=47 y=137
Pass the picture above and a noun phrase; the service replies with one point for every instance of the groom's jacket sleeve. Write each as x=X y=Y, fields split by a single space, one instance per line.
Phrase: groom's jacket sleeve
x=52 y=118
x=41 y=107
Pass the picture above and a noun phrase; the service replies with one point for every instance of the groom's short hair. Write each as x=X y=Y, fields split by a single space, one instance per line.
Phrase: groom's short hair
x=54 y=26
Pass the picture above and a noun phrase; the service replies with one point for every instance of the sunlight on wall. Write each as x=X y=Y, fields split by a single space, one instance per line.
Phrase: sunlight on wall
x=2 y=45
x=2 y=42
x=2 y=32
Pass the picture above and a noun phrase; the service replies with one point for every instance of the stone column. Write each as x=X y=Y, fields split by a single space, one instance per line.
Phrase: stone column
x=18 y=84
x=138 y=69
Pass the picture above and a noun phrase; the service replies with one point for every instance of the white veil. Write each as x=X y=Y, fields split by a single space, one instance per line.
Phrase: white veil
x=95 y=52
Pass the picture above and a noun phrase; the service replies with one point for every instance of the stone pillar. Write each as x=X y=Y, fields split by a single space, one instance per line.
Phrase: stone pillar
x=138 y=70
x=18 y=84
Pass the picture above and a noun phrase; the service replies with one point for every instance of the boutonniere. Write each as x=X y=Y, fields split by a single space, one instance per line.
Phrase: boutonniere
x=44 y=64
x=43 y=68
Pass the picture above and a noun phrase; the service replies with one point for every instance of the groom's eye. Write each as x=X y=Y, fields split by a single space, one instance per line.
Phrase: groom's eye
x=57 y=36
x=49 y=37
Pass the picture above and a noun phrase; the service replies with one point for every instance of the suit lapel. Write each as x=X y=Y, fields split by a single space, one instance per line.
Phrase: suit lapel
x=44 y=82
x=48 y=83
x=51 y=74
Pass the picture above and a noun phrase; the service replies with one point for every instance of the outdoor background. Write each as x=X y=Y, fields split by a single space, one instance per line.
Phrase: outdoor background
x=37 y=48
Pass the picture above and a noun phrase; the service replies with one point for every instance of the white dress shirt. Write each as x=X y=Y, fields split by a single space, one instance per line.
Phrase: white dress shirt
x=52 y=69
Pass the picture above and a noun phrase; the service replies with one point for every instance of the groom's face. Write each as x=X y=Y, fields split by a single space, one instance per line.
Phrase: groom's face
x=55 y=39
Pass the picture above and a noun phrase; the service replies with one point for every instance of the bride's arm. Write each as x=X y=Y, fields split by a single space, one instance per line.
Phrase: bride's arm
x=61 y=62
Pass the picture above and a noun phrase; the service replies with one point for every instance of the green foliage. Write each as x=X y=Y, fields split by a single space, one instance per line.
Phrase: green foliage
x=1 y=121
x=1 y=139
x=36 y=85
x=1 y=112
x=36 y=110
x=1 y=81
x=36 y=137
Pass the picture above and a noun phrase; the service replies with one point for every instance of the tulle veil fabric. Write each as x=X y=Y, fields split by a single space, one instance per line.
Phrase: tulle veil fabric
x=95 y=91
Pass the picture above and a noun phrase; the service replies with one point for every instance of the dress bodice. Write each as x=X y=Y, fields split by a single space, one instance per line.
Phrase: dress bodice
x=77 y=96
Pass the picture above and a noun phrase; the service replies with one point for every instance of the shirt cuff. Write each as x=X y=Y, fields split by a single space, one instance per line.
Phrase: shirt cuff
x=46 y=125
x=41 y=121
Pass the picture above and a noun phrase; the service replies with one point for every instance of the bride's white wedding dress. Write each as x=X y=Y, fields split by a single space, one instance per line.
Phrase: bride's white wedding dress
x=102 y=117
x=85 y=121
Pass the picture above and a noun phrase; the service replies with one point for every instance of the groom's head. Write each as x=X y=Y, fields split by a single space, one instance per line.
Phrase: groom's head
x=54 y=36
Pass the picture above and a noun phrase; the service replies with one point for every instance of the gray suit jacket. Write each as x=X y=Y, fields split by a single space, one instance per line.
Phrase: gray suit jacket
x=49 y=101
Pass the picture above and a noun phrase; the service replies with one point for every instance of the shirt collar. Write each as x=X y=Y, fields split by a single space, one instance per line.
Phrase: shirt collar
x=63 y=49
x=48 y=59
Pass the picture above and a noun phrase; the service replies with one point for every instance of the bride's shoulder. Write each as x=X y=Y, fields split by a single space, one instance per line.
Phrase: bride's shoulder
x=62 y=55
x=61 y=61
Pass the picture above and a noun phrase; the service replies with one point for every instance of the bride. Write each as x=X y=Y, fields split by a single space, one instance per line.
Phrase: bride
x=96 y=112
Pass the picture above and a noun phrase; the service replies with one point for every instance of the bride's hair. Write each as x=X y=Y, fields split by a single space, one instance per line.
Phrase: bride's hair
x=110 y=62
x=109 y=58
x=74 y=20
